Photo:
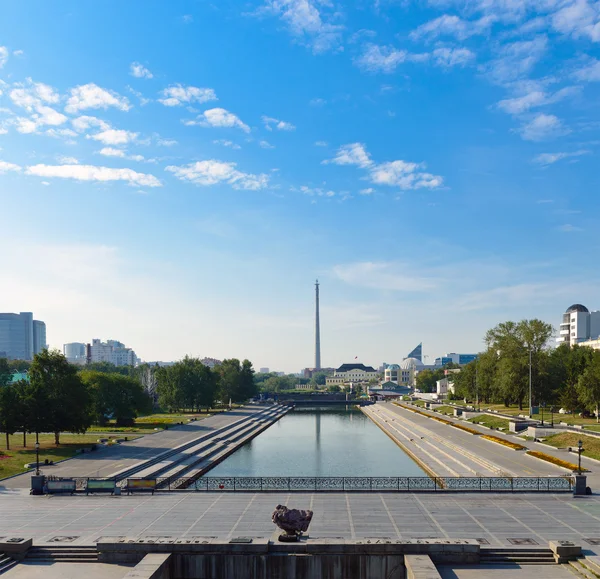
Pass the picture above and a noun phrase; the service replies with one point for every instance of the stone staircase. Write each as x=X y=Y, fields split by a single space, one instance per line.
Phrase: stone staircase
x=63 y=554
x=588 y=567
x=6 y=563
x=512 y=556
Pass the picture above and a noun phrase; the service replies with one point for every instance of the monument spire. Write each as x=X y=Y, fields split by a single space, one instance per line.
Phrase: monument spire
x=317 y=329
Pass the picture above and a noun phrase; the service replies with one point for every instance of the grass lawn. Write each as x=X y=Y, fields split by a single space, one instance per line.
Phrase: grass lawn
x=591 y=445
x=490 y=421
x=570 y=419
x=12 y=461
x=419 y=403
x=447 y=410
x=148 y=424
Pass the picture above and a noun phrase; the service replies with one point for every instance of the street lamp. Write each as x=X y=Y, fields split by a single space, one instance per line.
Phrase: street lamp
x=579 y=451
x=37 y=458
x=530 y=398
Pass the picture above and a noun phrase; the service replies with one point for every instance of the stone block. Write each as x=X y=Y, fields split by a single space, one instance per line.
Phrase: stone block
x=565 y=550
x=420 y=567
x=152 y=566
x=15 y=547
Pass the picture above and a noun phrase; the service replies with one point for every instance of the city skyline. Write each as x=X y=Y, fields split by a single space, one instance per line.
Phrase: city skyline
x=433 y=165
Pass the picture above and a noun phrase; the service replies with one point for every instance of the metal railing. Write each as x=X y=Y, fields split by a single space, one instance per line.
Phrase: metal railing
x=551 y=484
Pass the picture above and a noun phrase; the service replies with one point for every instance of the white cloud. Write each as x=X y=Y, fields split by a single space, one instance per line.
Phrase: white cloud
x=376 y=58
x=383 y=276
x=166 y=142
x=315 y=191
x=5 y=167
x=543 y=127
x=550 y=158
x=3 y=56
x=516 y=60
x=177 y=95
x=114 y=137
x=265 y=145
x=18 y=52
x=214 y=172
x=307 y=23
x=449 y=57
x=67 y=160
x=34 y=97
x=352 y=154
x=112 y=152
x=139 y=71
x=536 y=98
x=143 y=100
x=321 y=144
x=91 y=96
x=93 y=173
x=590 y=72
x=578 y=18
x=226 y=143
x=398 y=173
x=220 y=118
x=569 y=228
x=270 y=122
x=82 y=124
x=452 y=25
x=67 y=134
x=318 y=102
x=367 y=191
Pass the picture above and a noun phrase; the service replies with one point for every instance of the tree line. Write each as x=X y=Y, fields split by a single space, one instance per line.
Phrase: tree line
x=565 y=376
x=61 y=397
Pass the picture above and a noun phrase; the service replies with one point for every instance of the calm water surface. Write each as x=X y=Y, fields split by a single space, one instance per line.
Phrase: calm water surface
x=320 y=442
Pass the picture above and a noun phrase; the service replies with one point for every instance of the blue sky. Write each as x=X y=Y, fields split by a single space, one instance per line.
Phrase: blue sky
x=176 y=175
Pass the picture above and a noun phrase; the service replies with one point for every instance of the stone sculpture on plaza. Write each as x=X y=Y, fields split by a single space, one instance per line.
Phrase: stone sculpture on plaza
x=293 y=521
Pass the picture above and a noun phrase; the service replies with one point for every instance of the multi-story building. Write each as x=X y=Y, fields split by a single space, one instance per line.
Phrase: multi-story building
x=75 y=353
x=348 y=373
x=595 y=344
x=460 y=359
x=578 y=325
x=21 y=337
x=264 y=370
x=112 y=351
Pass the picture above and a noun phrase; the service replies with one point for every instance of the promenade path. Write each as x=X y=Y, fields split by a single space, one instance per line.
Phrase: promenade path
x=497 y=519
x=110 y=459
x=454 y=449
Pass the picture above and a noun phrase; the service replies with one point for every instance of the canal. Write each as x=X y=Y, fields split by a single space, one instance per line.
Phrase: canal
x=320 y=442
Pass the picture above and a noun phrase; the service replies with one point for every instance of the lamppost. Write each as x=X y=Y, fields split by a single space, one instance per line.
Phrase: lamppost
x=37 y=457
x=543 y=404
x=579 y=451
x=530 y=397
x=552 y=416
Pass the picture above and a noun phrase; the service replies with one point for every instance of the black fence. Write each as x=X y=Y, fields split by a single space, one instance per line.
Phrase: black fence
x=555 y=484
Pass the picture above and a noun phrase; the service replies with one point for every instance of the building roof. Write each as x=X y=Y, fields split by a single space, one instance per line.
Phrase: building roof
x=577 y=308
x=411 y=363
x=393 y=367
x=348 y=367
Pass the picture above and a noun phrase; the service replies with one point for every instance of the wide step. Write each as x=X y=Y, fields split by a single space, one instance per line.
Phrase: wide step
x=63 y=553
x=510 y=556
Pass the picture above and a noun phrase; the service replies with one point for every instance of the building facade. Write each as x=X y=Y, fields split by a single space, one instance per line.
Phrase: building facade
x=75 y=353
x=350 y=373
x=595 y=344
x=113 y=352
x=21 y=337
x=578 y=325
x=460 y=359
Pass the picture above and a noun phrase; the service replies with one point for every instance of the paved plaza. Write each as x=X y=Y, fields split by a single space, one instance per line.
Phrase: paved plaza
x=494 y=519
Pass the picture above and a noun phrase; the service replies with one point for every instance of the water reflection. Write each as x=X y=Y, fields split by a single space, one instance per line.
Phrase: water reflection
x=320 y=442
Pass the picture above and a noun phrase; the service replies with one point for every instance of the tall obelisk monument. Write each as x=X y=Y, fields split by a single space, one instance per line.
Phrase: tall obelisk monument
x=317 y=329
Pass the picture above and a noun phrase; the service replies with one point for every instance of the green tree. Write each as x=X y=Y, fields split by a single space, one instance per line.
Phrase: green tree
x=19 y=365
x=5 y=372
x=115 y=396
x=589 y=385
x=8 y=418
x=334 y=388
x=426 y=379
x=59 y=399
x=319 y=378
x=21 y=410
x=236 y=381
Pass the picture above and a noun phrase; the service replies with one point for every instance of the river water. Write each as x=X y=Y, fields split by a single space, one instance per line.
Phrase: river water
x=320 y=442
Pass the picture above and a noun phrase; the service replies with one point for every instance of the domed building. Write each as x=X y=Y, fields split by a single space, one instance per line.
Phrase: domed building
x=578 y=325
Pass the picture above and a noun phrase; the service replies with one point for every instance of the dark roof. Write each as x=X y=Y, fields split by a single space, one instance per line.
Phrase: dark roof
x=348 y=367
x=577 y=308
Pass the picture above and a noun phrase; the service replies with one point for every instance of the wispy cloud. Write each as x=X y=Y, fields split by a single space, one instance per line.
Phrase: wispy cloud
x=401 y=174
x=451 y=57
x=3 y=56
x=568 y=228
x=177 y=95
x=543 y=127
x=120 y=153
x=383 y=276
x=550 y=158
x=376 y=58
x=5 y=167
x=139 y=71
x=265 y=145
x=114 y=137
x=94 y=173
x=536 y=98
x=271 y=123
x=226 y=143
x=212 y=172
x=588 y=71
x=452 y=25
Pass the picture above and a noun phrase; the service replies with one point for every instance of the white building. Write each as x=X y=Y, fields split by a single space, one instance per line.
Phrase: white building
x=21 y=337
x=595 y=344
x=113 y=352
x=264 y=370
x=75 y=353
x=578 y=325
x=397 y=375
x=348 y=373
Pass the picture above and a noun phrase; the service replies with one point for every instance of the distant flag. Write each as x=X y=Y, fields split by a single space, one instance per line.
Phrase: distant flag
x=356 y=357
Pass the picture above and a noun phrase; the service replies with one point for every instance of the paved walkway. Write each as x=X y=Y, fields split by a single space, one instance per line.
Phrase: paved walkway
x=495 y=519
x=505 y=459
x=110 y=459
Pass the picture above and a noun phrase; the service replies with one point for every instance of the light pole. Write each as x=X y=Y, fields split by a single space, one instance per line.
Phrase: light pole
x=579 y=451
x=37 y=456
x=530 y=397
